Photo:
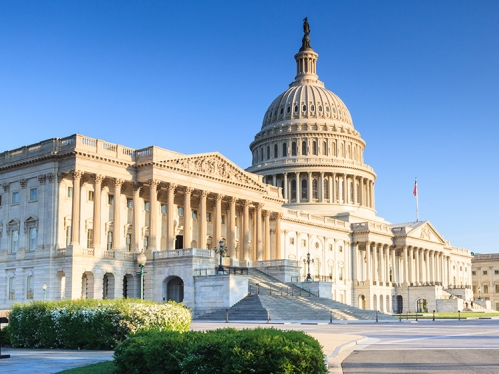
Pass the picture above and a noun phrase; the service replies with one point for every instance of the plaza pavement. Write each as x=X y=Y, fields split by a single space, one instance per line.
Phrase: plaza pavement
x=42 y=361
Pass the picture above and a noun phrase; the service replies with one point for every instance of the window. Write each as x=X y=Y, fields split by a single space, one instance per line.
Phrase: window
x=129 y=203
x=223 y=219
x=90 y=195
x=68 y=235
x=326 y=189
x=496 y=272
x=146 y=243
x=69 y=192
x=485 y=289
x=208 y=217
x=180 y=211
x=340 y=273
x=163 y=209
x=473 y=272
x=292 y=241
x=268 y=152
x=293 y=189
x=90 y=237
x=304 y=192
x=304 y=147
x=314 y=148
x=109 y=240
x=147 y=206
x=303 y=243
x=32 y=233
x=340 y=248
x=14 y=241
x=276 y=148
x=331 y=247
x=315 y=192
x=15 y=197
x=110 y=199
x=497 y=288
x=293 y=149
x=12 y=288
x=484 y=272
x=194 y=214
x=284 y=149
x=30 y=287
x=128 y=242
x=324 y=148
x=33 y=194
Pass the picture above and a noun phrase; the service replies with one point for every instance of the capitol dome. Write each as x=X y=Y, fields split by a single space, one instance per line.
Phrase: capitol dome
x=308 y=146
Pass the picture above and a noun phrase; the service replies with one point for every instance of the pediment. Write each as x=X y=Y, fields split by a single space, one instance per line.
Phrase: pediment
x=214 y=165
x=422 y=231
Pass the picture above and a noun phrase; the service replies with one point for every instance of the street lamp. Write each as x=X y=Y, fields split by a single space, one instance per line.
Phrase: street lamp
x=44 y=291
x=142 y=259
x=221 y=251
x=308 y=261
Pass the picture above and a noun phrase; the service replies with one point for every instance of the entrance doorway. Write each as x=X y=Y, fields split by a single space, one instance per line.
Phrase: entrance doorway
x=179 y=242
x=175 y=289
x=422 y=306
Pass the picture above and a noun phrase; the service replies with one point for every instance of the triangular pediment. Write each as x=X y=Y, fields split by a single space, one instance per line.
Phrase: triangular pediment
x=420 y=230
x=214 y=165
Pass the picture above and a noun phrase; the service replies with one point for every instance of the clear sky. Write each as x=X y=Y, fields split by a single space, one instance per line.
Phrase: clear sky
x=420 y=78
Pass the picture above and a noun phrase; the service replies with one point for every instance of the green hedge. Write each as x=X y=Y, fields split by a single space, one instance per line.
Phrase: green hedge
x=91 y=324
x=259 y=350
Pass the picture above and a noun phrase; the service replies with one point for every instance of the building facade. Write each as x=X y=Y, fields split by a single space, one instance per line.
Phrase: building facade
x=76 y=211
x=485 y=277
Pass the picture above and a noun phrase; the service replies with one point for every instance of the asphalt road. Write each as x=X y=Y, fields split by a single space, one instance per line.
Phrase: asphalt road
x=467 y=346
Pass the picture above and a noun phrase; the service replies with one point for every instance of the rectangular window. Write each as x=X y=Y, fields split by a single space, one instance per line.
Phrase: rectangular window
x=223 y=219
x=473 y=272
x=110 y=199
x=303 y=243
x=147 y=206
x=146 y=243
x=180 y=211
x=90 y=238
x=69 y=192
x=32 y=239
x=292 y=241
x=90 y=195
x=497 y=288
x=15 y=197
x=496 y=272
x=33 y=194
x=128 y=241
x=484 y=272
x=129 y=203
x=194 y=214
x=331 y=247
x=14 y=241
x=68 y=235
x=30 y=287
x=208 y=217
x=341 y=248
x=109 y=240
x=485 y=289
x=163 y=209
x=340 y=273
x=12 y=288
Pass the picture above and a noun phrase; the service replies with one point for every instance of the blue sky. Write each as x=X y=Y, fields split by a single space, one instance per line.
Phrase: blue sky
x=420 y=79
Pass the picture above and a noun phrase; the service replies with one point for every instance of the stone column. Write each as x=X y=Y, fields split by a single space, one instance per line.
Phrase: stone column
x=259 y=242
x=321 y=187
x=279 y=254
x=75 y=212
x=254 y=242
x=417 y=266
x=274 y=180
x=331 y=191
x=136 y=222
x=411 y=275
x=368 y=258
x=427 y=265
x=382 y=265
x=232 y=228
x=170 y=228
x=395 y=278
x=310 y=187
x=285 y=189
x=217 y=227
x=375 y=260
x=202 y=220
x=421 y=266
x=298 y=187
x=96 y=243
x=153 y=215
x=346 y=193
x=356 y=261
x=405 y=249
x=266 y=231
x=354 y=186
x=246 y=218
x=117 y=232
x=187 y=217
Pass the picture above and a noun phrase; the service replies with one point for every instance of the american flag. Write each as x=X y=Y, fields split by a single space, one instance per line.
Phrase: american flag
x=415 y=191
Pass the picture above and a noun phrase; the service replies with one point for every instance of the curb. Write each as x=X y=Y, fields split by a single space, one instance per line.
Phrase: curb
x=333 y=363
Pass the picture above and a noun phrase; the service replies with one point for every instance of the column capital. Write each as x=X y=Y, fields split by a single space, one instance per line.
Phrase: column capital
x=171 y=186
x=118 y=182
x=23 y=183
x=77 y=174
x=51 y=177
x=204 y=193
x=259 y=206
x=266 y=213
x=42 y=178
x=137 y=186
x=219 y=196
x=99 y=178
x=153 y=182
x=188 y=190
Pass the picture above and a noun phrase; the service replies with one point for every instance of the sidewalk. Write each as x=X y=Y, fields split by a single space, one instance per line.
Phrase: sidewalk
x=24 y=361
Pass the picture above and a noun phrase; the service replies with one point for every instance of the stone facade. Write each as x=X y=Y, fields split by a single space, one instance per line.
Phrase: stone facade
x=485 y=276
x=75 y=212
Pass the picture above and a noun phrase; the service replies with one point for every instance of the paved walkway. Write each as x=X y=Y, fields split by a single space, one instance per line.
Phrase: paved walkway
x=335 y=346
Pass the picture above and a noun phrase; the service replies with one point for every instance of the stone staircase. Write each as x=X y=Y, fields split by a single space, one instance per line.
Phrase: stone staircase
x=286 y=302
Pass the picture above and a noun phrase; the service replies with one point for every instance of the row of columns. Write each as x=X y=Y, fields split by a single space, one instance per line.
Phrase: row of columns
x=341 y=188
x=260 y=221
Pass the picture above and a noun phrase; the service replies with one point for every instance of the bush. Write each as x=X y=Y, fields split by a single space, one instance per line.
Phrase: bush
x=221 y=351
x=91 y=324
x=5 y=337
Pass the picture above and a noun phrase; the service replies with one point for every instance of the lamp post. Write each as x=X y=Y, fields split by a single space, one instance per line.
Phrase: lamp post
x=221 y=251
x=308 y=261
x=142 y=259
x=44 y=291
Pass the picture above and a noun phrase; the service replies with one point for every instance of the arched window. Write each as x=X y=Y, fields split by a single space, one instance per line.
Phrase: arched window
x=349 y=152
x=293 y=149
x=293 y=189
x=333 y=148
x=284 y=149
x=304 y=192
x=268 y=152
x=324 y=148
x=304 y=148
x=276 y=151
x=342 y=150
x=261 y=154
x=326 y=189
x=314 y=147
x=315 y=192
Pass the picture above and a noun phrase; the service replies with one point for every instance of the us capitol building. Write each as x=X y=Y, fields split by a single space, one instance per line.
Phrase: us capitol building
x=76 y=212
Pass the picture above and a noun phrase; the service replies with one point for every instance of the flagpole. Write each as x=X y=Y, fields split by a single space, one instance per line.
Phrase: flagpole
x=416 y=195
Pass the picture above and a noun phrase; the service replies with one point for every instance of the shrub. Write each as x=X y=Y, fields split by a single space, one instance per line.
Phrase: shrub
x=221 y=351
x=91 y=324
x=5 y=336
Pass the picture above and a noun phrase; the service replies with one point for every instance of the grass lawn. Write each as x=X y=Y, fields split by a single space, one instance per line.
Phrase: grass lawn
x=453 y=315
x=99 y=368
